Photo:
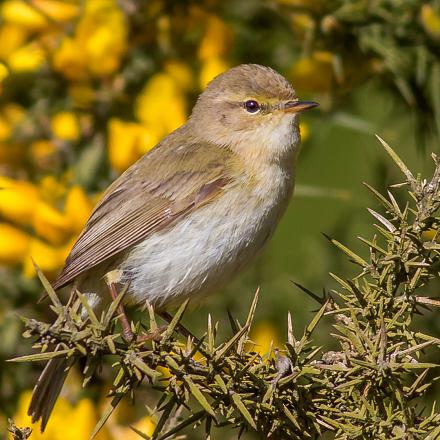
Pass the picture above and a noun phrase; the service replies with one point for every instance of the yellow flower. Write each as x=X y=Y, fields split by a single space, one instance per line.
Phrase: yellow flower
x=5 y=128
x=12 y=37
x=314 y=73
x=69 y=59
x=102 y=35
x=429 y=235
x=181 y=73
x=264 y=335
x=13 y=113
x=50 y=224
x=27 y=58
x=10 y=116
x=77 y=208
x=99 y=41
x=49 y=259
x=104 y=49
x=304 y=129
x=21 y=14
x=82 y=416
x=210 y=69
x=217 y=39
x=14 y=244
x=4 y=72
x=148 y=137
x=127 y=141
x=58 y=10
x=122 y=147
x=65 y=126
x=17 y=200
x=161 y=104
x=430 y=19
x=301 y=24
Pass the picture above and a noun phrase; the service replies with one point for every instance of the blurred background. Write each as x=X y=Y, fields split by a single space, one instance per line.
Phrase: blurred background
x=87 y=87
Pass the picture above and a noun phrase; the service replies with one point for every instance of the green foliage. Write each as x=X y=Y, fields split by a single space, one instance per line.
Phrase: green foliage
x=369 y=388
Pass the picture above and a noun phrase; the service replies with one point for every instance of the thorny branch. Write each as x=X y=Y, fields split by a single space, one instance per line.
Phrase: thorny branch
x=367 y=389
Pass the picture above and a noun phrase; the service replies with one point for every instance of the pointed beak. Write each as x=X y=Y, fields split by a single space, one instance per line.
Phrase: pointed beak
x=299 y=106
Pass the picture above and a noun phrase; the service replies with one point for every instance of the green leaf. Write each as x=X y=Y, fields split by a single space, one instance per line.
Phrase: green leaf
x=47 y=287
x=409 y=176
x=356 y=258
x=198 y=395
x=249 y=321
x=244 y=411
x=41 y=356
x=174 y=322
x=105 y=416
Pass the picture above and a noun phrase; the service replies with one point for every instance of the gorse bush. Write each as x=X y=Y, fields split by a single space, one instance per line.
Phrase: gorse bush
x=369 y=388
x=88 y=86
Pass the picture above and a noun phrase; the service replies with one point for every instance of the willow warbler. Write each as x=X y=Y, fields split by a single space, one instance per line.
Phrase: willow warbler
x=196 y=209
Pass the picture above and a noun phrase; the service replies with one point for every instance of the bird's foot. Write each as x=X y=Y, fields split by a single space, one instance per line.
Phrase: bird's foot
x=112 y=278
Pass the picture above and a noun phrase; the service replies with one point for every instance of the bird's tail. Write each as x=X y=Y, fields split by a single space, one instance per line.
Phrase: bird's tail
x=47 y=390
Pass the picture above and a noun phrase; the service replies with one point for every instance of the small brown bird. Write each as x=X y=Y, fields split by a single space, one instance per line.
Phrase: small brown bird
x=195 y=210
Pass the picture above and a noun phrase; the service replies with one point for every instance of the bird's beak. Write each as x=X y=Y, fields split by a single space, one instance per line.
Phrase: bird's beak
x=298 y=106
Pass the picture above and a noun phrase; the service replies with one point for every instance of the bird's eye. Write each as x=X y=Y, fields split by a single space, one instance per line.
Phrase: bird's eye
x=252 y=106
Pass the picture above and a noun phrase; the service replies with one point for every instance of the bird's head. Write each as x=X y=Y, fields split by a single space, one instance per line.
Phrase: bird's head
x=250 y=106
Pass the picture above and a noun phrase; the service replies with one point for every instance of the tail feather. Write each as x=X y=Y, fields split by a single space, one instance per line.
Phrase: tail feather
x=47 y=390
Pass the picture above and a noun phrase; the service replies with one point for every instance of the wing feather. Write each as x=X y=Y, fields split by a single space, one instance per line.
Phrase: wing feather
x=149 y=197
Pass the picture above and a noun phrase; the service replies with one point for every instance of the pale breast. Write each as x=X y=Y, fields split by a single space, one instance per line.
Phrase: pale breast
x=207 y=248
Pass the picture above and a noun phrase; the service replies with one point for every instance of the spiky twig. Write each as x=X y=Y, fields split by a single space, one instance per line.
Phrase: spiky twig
x=367 y=389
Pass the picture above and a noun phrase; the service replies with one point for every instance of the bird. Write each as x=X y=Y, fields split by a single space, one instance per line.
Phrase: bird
x=195 y=210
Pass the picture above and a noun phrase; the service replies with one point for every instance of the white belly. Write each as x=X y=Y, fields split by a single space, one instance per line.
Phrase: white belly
x=206 y=249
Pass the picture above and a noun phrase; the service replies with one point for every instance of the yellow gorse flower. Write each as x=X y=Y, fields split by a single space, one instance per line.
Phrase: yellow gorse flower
x=10 y=117
x=314 y=73
x=127 y=141
x=18 y=199
x=20 y=13
x=210 y=69
x=80 y=419
x=12 y=37
x=161 y=104
x=99 y=41
x=25 y=204
x=26 y=58
x=48 y=258
x=4 y=72
x=430 y=19
x=65 y=126
x=217 y=39
x=213 y=49
x=304 y=129
x=265 y=336
x=14 y=243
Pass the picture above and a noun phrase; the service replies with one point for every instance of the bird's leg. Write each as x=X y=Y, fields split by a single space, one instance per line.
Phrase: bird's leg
x=112 y=278
x=182 y=330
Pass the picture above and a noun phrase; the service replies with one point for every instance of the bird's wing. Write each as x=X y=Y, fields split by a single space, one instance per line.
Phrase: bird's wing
x=162 y=187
